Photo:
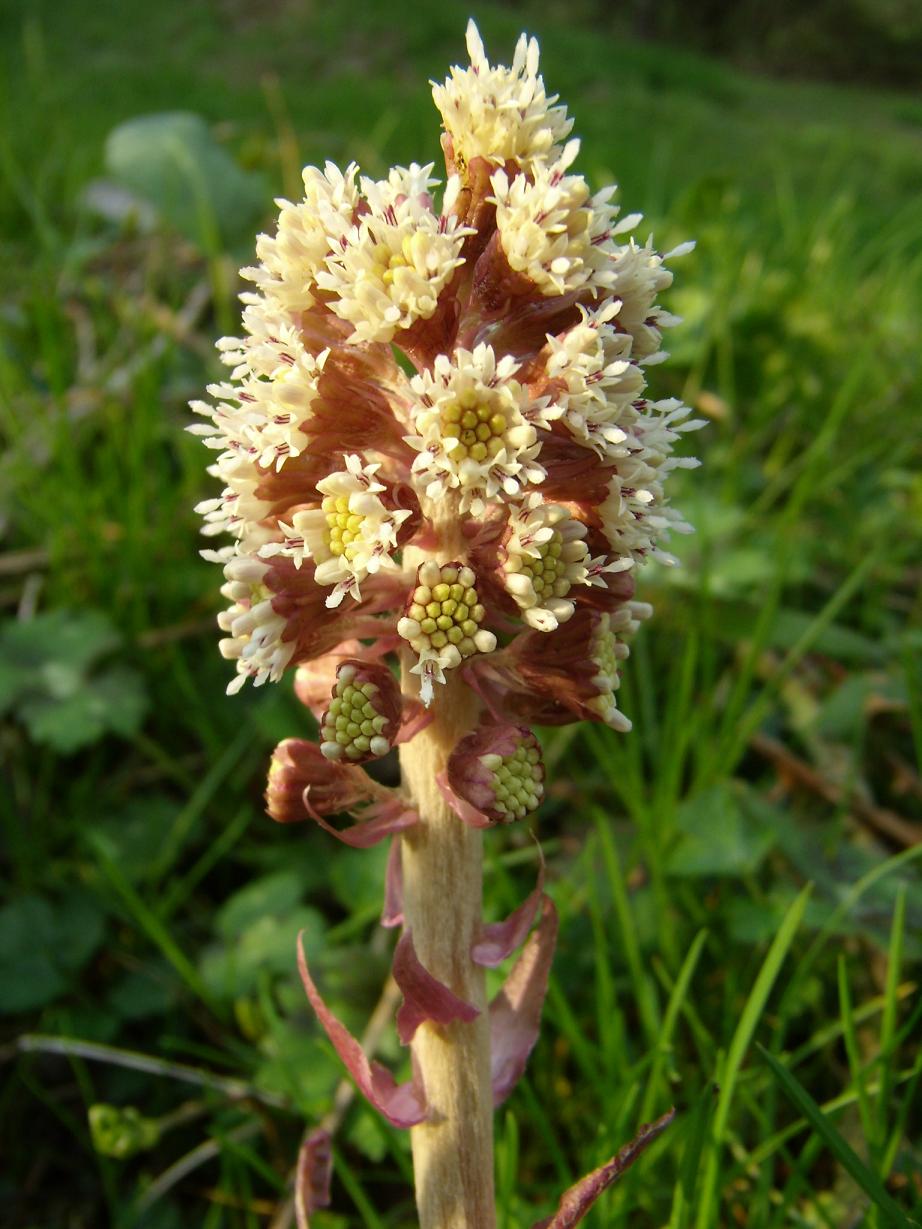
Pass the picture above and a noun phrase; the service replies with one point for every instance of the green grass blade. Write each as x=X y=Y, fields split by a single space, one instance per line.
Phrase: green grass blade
x=889 y=1018
x=842 y=910
x=356 y=1191
x=752 y=1012
x=640 y=980
x=869 y=1182
x=673 y=1007
x=148 y=922
x=768 y=1147
x=696 y=1133
x=850 y=1037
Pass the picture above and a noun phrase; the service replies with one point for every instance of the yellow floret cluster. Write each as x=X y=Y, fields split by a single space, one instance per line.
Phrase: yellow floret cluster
x=352 y=726
x=478 y=429
x=548 y=574
x=343 y=526
x=449 y=611
x=518 y=782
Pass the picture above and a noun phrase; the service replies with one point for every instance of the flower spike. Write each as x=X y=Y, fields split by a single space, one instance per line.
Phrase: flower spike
x=442 y=469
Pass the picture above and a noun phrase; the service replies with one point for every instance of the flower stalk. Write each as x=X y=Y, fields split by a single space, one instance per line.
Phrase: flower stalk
x=442 y=864
x=443 y=549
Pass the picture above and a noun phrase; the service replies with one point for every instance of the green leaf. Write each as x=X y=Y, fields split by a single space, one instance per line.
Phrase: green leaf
x=172 y=160
x=757 y=921
x=41 y=943
x=300 y=1066
x=28 y=982
x=843 y=714
x=114 y=702
x=74 y=638
x=267 y=946
x=357 y=880
x=367 y=1133
x=142 y=993
x=14 y=680
x=269 y=896
x=133 y=836
x=47 y=676
x=869 y=1182
x=79 y=929
x=725 y=830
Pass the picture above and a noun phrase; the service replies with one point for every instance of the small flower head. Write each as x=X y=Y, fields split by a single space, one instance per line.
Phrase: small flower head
x=315 y=680
x=574 y=675
x=389 y=269
x=352 y=533
x=639 y=275
x=302 y=781
x=498 y=113
x=291 y=258
x=590 y=370
x=553 y=230
x=363 y=715
x=443 y=622
x=475 y=429
x=608 y=649
x=498 y=769
x=545 y=556
x=256 y=638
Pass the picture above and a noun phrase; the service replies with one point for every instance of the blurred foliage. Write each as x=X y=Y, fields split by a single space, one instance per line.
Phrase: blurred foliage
x=876 y=42
x=776 y=695
x=174 y=163
x=49 y=679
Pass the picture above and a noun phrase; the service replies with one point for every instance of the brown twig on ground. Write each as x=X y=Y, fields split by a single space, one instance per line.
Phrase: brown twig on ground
x=15 y=562
x=155 y=637
x=903 y=831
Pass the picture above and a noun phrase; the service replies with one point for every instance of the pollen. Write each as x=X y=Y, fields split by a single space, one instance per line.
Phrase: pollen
x=343 y=527
x=388 y=262
x=353 y=727
x=518 y=782
x=473 y=428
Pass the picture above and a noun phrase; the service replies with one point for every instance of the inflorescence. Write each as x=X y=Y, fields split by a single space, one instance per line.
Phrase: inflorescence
x=525 y=318
x=436 y=447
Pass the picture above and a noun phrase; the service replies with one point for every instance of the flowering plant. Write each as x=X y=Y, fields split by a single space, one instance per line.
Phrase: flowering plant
x=437 y=450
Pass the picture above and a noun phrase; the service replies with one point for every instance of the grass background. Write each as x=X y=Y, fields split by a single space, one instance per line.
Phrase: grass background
x=739 y=872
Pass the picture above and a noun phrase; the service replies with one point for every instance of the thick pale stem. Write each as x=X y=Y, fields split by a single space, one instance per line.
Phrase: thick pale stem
x=442 y=875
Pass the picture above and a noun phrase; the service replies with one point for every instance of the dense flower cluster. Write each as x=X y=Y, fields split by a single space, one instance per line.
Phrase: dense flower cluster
x=411 y=360
x=489 y=349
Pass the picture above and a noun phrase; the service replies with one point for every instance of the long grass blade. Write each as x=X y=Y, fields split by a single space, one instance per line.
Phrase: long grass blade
x=752 y=1012
x=850 y=1161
